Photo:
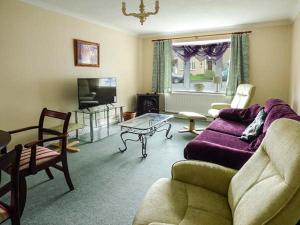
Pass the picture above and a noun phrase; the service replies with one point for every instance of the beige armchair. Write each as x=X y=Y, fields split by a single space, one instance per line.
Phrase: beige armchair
x=265 y=191
x=241 y=100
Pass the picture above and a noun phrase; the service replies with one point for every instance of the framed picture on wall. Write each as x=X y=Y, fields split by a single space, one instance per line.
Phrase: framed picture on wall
x=86 y=53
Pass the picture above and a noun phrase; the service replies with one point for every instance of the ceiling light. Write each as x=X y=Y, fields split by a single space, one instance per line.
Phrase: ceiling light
x=142 y=15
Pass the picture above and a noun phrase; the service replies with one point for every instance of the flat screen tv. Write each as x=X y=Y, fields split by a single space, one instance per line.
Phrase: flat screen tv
x=96 y=91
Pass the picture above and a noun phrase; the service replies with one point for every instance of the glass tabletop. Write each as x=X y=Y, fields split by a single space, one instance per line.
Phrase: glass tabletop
x=146 y=121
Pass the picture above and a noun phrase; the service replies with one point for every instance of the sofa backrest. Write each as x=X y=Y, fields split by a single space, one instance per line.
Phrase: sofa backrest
x=276 y=109
x=267 y=188
x=243 y=96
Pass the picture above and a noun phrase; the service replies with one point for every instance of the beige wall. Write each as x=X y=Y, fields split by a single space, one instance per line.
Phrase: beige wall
x=269 y=61
x=37 y=65
x=295 y=71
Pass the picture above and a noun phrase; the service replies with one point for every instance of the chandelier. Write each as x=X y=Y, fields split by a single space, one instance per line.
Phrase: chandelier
x=142 y=15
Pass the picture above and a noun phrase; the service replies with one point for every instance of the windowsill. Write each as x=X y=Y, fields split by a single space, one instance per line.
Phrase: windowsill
x=198 y=93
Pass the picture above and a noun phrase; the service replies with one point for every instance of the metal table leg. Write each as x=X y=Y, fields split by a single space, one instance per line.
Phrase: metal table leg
x=76 y=121
x=143 y=139
x=168 y=136
x=107 y=121
x=91 y=127
x=125 y=140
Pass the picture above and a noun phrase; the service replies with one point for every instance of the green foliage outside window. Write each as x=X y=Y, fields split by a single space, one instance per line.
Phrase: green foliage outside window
x=207 y=76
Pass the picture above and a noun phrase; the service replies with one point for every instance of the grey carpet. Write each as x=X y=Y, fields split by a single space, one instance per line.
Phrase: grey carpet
x=109 y=185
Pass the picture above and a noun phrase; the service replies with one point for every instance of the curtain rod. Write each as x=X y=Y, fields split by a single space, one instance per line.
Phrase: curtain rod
x=207 y=35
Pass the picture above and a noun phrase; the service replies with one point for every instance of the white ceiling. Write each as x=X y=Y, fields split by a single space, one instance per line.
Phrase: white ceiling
x=175 y=16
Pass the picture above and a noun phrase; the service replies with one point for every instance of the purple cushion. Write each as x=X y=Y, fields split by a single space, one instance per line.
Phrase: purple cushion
x=227 y=127
x=222 y=139
x=215 y=153
x=241 y=115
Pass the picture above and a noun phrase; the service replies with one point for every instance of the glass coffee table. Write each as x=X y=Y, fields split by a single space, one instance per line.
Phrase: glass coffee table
x=145 y=126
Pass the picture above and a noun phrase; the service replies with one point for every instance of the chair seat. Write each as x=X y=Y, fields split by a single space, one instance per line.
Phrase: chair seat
x=173 y=202
x=4 y=213
x=43 y=155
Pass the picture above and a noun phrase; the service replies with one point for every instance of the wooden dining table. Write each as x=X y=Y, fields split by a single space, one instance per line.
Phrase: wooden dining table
x=5 y=138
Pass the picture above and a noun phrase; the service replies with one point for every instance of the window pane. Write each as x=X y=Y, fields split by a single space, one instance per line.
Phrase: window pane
x=206 y=75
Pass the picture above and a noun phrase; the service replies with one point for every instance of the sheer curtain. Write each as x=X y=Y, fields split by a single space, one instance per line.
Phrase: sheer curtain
x=239 y=62
x=162 y=66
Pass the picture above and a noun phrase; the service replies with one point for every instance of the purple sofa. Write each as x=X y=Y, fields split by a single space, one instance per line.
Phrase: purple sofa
x=219 y=143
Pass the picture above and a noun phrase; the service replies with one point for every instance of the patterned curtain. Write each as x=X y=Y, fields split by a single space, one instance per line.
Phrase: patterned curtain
x=239 y=63
x=162 y=66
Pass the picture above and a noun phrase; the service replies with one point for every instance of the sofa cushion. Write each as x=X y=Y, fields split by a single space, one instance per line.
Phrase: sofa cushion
x=227 y=126
x=173 y=202
x=216 y=153
x=223 y=139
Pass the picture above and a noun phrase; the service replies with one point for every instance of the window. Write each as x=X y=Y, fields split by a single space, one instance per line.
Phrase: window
x=201 y=66
x=193 y=65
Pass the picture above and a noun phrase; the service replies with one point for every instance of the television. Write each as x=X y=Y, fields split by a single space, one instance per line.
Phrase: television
x=96 y=91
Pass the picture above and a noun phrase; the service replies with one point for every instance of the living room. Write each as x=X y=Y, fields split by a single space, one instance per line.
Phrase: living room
x=39 y=70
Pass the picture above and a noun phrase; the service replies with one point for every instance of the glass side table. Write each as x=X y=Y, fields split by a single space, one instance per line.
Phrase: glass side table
x=94 y=118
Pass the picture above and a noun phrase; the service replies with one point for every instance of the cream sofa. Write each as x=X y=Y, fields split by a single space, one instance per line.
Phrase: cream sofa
x=241 y=100
x=266 y=190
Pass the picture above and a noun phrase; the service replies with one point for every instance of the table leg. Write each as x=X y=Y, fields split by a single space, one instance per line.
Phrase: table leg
x=96 y=122
x=143 y=139
x=91 y=127
x=121 y=114
x=76 y=121
x=124 y=141
x=168 y=132
x=107 y=121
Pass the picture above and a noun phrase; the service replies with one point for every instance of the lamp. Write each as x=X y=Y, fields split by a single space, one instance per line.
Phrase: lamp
x=142 y=15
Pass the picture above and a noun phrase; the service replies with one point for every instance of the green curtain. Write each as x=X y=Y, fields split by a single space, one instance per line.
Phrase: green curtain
x=239 y=63
x=162 y=66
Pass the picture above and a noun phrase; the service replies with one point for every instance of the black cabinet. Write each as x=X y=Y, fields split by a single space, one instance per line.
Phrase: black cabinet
x=147 y=103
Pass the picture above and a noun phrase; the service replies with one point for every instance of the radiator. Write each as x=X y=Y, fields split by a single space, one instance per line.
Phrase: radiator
x=192 y=102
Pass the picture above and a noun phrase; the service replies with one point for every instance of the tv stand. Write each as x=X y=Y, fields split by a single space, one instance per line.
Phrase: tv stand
x=94 y=116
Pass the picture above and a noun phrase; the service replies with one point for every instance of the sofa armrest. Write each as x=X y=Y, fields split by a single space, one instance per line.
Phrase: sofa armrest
x=207 y=175
x=241 y=115
x=220 y=106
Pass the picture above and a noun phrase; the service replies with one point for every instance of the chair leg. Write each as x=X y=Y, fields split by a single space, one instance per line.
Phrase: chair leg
x=50 y=175
x=66 y=173
x=23 y=194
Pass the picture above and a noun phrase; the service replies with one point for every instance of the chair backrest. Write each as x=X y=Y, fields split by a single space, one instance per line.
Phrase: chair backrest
x=53 y=114
x=243 y=96
x=267 y=188
x=11 y=160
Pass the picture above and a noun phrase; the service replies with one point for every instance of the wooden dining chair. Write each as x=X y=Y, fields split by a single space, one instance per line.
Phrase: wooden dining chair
x=35 y=157
x=15 y=186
